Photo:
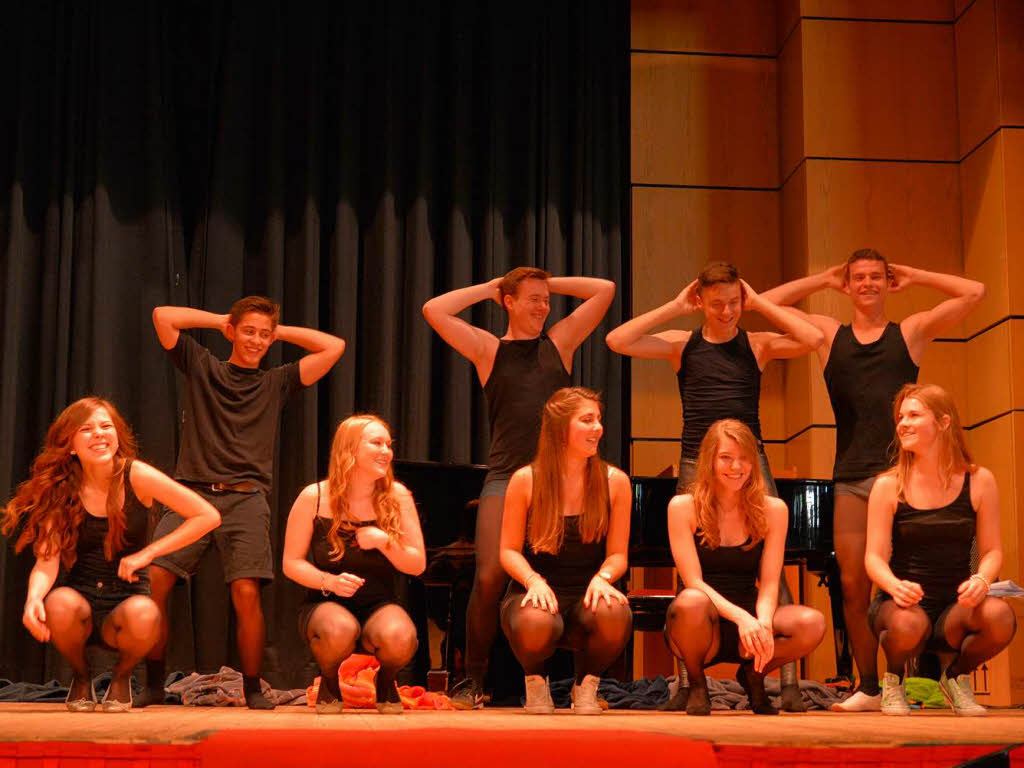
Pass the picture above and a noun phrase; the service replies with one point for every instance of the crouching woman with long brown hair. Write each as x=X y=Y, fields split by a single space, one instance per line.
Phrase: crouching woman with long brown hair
x=348 y=539
x=728 y=539
x=923 y=515
x=564 y=539
x=85 y=507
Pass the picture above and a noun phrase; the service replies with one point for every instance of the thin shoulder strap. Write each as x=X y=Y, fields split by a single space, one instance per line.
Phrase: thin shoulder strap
x=317 y=498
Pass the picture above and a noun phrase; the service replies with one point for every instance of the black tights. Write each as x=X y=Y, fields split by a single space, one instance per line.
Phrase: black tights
x=596 y=637
x=974 y=634
x=388 y=634
x=488 y=587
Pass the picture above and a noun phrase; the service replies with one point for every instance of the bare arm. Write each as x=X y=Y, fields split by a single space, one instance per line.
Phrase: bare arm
x=407 y=553
x=297 y=536
x=568 y=333
x=513 y=536
x=150 y=484
x=790 y=293
x=168 y=321
x=878 y=548
x=771 y=560
x=985 y=499
x=801 y=335
x=633 y=338
x=922 y=327
x=475 y=344
x=324 y=350
x=40 y=582
x=616 y=544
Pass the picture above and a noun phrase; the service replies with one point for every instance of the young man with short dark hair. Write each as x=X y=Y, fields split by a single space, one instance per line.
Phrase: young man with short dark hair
x=226 y=455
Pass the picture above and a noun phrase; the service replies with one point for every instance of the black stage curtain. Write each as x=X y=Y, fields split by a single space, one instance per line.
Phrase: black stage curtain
x=349 y=159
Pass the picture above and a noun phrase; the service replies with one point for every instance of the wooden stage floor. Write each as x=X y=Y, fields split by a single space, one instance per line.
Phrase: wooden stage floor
x=183 y=725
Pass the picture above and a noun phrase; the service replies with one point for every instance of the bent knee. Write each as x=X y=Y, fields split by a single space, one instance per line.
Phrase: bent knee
x=65 y=606
x=690 y=603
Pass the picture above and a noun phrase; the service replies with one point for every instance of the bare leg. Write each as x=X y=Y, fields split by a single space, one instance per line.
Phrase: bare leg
x=691 y=631
x=390 y=635
x=251 y=636
x=980 y=633
x=132 y=628
x=332 y=634
x=69 y=620
x=161 y=583
x=903 y=633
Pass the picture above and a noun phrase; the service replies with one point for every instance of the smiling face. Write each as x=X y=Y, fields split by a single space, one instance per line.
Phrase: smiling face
x=585 y=430
x=868 y=283
x=732 y=466
x=373 y=455
x=95 y=441
x=250 y=338
x=917 y=427
x=529 y=307
x=722 y=304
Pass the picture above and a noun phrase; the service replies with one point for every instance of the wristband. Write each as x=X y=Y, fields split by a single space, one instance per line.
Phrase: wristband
x=605 y=575
x=978 y=576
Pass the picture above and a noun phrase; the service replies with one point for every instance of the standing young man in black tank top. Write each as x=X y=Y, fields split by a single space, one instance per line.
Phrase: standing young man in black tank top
x=865 y=364
x=519 y=372
x=719 y=366
x=227 y=455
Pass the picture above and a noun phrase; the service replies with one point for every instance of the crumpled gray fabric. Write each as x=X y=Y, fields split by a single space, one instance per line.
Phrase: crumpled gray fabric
x=224 y=689
x=729 y=694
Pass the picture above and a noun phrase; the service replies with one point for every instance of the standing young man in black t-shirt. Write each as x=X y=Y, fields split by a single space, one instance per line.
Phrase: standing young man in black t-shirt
x=226 y=455
x=865 y=364
x=519 y=372
x=718 y=367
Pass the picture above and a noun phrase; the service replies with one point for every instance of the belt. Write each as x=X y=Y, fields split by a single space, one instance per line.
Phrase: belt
x=242 y=487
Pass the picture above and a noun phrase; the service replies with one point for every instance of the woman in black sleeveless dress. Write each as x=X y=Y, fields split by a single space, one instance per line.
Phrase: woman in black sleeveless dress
x=564 y=542
x=348 y=539
x=85 y=511
x=923 y=516
x=728 y=539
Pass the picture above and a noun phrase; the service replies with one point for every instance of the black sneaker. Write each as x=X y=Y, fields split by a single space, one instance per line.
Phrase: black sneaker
x=467 y=695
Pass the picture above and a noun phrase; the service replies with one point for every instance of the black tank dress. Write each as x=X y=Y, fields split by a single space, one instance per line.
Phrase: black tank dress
x=93 y=575
x=862 y=382
x=933 y=548
x=525 y=374
x=732 y=572
x=380 y=575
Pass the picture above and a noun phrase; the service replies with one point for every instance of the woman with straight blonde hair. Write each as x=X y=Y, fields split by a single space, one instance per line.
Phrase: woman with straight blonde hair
x=728 y=539
x=564 y=539
x=923 y=516
x=347 y=540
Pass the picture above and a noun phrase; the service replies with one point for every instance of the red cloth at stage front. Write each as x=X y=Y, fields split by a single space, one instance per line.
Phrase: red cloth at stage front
x=357 y=678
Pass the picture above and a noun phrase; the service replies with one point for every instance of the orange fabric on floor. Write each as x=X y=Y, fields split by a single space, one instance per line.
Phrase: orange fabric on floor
x=357 y=678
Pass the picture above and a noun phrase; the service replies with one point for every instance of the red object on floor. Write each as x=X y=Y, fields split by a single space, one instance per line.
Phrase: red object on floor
x=88 y=754
x=945 y=756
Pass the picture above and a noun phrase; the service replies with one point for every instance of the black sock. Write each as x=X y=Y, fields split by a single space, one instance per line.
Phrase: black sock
x=153 y=693
x=254 y=697
x=869 y=685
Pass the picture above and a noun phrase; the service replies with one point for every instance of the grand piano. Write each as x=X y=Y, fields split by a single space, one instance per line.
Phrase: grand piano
x=445 y=496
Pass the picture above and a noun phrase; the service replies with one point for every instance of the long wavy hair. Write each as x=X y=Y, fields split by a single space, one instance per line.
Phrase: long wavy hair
x=954 y=455
x=47 y=506
x=339 y=476
x=753 y=497
x=546 y=525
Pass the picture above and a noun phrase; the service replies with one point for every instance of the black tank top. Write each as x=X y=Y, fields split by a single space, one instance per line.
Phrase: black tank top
x=91 y=565
x=368 y=564
x=577 y=562
x=526 y=373
x=862 y=382
x=731 y=571
x=717 y=381
x=933 y=546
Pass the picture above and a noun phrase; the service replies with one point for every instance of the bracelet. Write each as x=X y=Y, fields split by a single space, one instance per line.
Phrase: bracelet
x=981 y=578
x=323 y=589
x=605 y=575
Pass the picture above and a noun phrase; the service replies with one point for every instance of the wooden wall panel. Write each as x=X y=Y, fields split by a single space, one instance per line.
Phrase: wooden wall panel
x=704 y=120
x=904 y=10
x=908 y=211
x=1016 y=332
x=993 y=446
x=813 y=452
x=791 y=104
x=710 y=26
x=651 y=459
x=1010 y=27
x=976 y=74
x=945 y=363
x=657 y=411
x=989 y=388
x=1013 y=176
x=983 y=213
x=879 y=90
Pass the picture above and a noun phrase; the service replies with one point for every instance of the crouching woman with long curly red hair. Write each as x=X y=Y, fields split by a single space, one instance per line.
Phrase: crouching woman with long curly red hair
x=85 y=511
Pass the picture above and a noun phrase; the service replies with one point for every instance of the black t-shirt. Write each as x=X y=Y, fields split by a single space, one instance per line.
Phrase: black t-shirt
x=231 y=416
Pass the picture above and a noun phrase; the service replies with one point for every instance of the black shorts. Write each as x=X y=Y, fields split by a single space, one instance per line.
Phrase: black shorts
x=361 y=610
x=242 y=539
x=103 y=599
x=935 y=611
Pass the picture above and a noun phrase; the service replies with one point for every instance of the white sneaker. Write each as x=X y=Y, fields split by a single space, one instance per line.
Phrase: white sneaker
x=584 y=696
x=894 y=697
x=538 y=696
x=859 y=702
x=960 y=696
